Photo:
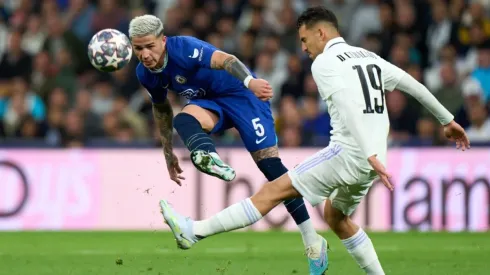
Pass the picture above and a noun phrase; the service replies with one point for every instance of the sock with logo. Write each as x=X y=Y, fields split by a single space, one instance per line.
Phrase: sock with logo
x=362 y=250
x=192 y=134
x=273 y=168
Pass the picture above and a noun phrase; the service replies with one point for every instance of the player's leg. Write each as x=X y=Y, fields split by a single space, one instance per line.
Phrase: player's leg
x=193 y=124
x=272 y=167
x=239 y=215
x=253 y=120
x=358 y=244
x=307 y=179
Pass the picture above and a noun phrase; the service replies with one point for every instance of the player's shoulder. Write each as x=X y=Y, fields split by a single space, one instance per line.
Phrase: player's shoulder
x=184 y=41
x=325 y=62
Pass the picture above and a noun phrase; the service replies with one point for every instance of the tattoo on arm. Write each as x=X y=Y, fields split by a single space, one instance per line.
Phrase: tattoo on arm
x=271 y=152
x=163 y=114
x=234 y=66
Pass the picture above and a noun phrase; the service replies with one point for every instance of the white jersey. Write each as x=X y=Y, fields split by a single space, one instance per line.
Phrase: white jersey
x=353 y=81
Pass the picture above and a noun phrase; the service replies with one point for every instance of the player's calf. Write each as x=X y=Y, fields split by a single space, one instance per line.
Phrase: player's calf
x=192 y=134
x=273 y=168
x=357 y=242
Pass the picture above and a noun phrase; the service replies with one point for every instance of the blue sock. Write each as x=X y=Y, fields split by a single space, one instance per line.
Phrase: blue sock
x=192 y=134
x=273 y=168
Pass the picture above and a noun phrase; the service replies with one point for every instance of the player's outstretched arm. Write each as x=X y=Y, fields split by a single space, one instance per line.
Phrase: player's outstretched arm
x=452 y=130
x=224 y=61
x=163 y=115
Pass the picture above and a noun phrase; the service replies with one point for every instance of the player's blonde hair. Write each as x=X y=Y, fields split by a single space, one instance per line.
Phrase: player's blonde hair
x=145 y=25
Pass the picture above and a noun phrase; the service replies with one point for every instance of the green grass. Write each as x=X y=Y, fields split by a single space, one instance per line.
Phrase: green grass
x=234 y=253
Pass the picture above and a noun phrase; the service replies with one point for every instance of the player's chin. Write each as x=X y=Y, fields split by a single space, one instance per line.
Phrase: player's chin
x=149 y=65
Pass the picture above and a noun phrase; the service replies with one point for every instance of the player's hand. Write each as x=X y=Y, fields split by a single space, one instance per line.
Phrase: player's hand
x=454 y=132
x=381 y=171
x=174 y=169
x=261 y=88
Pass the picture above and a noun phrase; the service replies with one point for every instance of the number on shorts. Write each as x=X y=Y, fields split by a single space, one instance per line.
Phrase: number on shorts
x=259 y=129
x=372 y=69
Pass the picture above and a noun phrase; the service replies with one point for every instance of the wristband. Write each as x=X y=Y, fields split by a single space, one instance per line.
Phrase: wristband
x=247 y=80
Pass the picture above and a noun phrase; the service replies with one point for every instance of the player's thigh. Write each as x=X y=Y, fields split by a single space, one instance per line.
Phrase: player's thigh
x=319 y=175
x=347 y=198
x=252 y=118
x=208 y=113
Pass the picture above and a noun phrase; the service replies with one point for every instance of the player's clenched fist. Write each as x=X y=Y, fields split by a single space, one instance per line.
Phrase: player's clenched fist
x=261 y=88
x=174 y=169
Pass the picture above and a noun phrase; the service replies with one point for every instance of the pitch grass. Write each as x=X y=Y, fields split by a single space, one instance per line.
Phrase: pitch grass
x=238 y=253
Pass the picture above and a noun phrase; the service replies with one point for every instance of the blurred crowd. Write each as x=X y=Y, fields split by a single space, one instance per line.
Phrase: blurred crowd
x=50 y=95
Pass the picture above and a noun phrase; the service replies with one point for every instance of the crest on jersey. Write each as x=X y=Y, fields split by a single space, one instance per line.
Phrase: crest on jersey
x=180 y=79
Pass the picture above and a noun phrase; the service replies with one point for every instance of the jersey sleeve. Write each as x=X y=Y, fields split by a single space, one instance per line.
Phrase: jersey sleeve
x=153 y=84
x=328 y=80
x=196 y=53
x=391 y=75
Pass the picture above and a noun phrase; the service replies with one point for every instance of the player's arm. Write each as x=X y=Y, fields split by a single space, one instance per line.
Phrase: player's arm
x=163 y=115
x=411 y=86
x=225 y=61
x=452 y=130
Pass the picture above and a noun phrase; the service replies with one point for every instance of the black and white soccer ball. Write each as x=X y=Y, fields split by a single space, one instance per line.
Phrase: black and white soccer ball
x=109 y=50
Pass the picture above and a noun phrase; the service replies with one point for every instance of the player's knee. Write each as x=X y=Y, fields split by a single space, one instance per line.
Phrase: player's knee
x=206 y=118
x=184 y=120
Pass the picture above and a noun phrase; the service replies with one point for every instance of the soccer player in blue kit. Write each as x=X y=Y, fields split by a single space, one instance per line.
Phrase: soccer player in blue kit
x=222 y=94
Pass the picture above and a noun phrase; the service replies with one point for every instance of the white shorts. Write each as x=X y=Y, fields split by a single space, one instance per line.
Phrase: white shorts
x=334 y=173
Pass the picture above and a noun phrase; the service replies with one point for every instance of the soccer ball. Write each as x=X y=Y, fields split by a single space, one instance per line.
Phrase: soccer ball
x=109 y=50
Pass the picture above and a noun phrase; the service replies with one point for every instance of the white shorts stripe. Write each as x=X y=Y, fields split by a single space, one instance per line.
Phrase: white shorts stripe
x=332 y=152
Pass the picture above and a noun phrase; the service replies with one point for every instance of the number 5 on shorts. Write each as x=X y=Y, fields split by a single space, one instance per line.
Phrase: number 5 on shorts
x=259 y=128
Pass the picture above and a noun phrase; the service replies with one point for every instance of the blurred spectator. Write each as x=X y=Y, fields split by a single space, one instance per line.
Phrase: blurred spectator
x=315 y=122
x=439 y=32
x=49 y=90
x=34 y=37
x=365 y=20
x=275 y=75
x=15 y=61
x=103 y=97
x=482 y=71
x=59 y=39
x=79 y=15
x=403 y=119
x=109 y=15
x=479 y=131
x=133 y=120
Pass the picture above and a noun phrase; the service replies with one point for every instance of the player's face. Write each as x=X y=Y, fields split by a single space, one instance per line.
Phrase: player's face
x=311 y=42
x=149 y=50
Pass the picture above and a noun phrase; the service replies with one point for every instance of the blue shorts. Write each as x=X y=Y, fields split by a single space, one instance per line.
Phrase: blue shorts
x=251 y=116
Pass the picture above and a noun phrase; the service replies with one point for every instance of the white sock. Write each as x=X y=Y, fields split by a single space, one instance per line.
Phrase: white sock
x=238 y=215
x=308 y=233
x=362 y=250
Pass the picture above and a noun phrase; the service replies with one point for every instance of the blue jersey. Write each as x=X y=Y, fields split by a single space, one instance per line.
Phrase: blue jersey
x=188 y=72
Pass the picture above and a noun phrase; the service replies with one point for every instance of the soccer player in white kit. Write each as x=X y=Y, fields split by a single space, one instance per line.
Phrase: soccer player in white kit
x=352 y=81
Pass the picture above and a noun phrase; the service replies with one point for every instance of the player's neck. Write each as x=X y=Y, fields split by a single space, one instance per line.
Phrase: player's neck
x=162 y=64
x=331 y=40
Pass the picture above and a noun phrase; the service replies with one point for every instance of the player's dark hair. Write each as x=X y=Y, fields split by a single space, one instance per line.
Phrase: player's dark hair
x=313 y=15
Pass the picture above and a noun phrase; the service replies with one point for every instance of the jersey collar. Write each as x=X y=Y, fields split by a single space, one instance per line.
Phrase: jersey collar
x=165 y=60
x=333 y=42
